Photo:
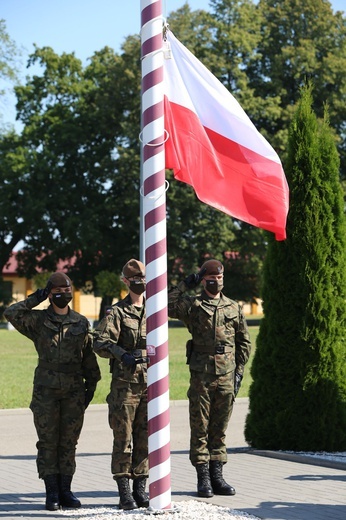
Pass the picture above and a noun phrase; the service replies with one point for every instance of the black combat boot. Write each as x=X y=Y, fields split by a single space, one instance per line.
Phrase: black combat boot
x=204 y=488
x=126 y=498
x=219 y=485
x=52 y=492
x=139 y=494
x=67 y=498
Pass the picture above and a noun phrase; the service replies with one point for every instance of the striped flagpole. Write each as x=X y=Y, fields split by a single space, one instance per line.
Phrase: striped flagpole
x=154 y=210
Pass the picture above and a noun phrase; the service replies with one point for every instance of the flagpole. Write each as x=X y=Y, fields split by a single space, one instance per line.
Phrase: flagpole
x=154 y=209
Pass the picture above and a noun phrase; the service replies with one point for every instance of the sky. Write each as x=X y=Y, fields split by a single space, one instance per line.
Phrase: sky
x=80 y=26
x=83 y=26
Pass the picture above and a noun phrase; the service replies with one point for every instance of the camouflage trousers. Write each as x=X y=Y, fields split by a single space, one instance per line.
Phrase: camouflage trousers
x=128 y=418
x=210 y=407
x=58 y=418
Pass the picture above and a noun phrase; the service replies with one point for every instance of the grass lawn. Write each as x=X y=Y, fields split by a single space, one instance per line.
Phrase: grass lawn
x=19 y=359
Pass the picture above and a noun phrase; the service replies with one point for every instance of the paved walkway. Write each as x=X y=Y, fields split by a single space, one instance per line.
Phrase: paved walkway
x=267 y=486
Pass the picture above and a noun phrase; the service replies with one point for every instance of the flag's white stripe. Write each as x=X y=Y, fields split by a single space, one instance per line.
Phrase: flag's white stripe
x=188 y=82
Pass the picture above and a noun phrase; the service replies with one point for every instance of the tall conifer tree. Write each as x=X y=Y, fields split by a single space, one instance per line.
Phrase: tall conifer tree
x=298 y=394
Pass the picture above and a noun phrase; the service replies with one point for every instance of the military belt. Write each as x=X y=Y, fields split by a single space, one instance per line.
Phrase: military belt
x=64 y=368
x=218 y=349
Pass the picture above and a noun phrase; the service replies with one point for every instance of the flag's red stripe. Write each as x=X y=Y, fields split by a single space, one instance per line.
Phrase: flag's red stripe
x=224 y=174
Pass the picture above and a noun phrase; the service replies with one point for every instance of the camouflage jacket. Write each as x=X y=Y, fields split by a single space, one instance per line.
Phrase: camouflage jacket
x=215 y=325
x=123 y=330
x=63 y=344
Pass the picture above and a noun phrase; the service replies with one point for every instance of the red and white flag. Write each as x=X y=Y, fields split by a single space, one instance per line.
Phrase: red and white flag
x=214 y=146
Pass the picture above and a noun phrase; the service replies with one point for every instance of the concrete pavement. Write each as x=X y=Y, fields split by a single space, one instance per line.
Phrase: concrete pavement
x=269 y=485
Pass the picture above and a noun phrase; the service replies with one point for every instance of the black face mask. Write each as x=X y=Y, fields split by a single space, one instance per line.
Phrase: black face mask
x=137 y=287
x=61 y=299
x=213 y=286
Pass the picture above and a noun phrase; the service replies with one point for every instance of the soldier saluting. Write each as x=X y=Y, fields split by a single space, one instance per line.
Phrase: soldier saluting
x=217 y=353
x=64 y=382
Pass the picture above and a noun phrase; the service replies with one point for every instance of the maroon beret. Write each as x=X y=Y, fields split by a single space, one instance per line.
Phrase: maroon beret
x=133 y=268
x=60 y=279
x=212 y=267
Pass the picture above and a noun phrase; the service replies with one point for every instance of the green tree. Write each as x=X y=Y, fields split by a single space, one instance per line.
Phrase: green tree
x=299 y=41
x=224 y=41
x=194 y=230
x=243 y=264
x=82 y=158
x=5 y=296
x=9 y=54
x=13 y=188
x=71 y=127
x=108 y=286
x=298 y=394
x=236 y=37
x=79 y=169
x=195 y=30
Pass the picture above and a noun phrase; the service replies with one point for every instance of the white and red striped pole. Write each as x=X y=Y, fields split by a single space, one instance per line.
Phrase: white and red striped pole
x=154 y=210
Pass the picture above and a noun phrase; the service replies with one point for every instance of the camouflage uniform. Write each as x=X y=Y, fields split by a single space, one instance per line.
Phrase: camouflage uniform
x=124 y=330
x=220 y=344
x=65 y=361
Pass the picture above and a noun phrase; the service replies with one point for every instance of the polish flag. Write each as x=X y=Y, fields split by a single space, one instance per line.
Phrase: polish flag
x=213 y=145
